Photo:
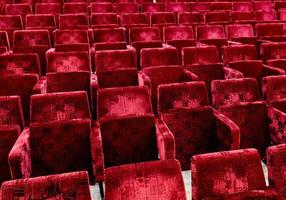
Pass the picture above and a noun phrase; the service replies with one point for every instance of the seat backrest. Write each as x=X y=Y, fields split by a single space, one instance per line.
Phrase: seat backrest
x=31 y=38
x=134 y=19
x=282 y=14
x=132 y=139
x=126 y=8
x=240 y=16
x=239 y=53
x=74 y=150
x=182 y=95
x=274 y=87
x=239 y=30
x=163 y=18
x=152 y=7
x=177 y=33
x=269 y=29
x=123 y=101
x=69 y=183
x=18 y=9
x=199 y=6
x=40 y=21
x=263 y=16
x=70 y=37
x=262 y=6
x=73 y=21
x=109 y=35
x=103 y=7
x=210 y=32
x=68 y=62
x=241 y=6
x=228 y=170
x=48 y=8
x=225 y=6
x=11 y=22
x=199 y=55
x=4 y=40
x=142 y=34
x=59 y=107
x=104 y=19
x=158 y=56
x=273 y=50
x=217 y=16
x=20 y=64
x=190 y=18
x=75 y=8
x=176 y=7
x=157 y=173
x=233 y=91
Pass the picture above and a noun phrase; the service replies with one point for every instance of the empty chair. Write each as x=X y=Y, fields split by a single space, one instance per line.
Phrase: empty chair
x=4 y=42
x=126 y=8
x=104 y=20
x=73 y=184
x=161 y=19
x=274 y=88
x=191 y=19
x=18 y=9
x=270 y=31
x=242 y=17
x=103 y=7
x=274 y=54
x=130 y=100
x=109 y=38
x=241 y=6
x=179 y=37
x=152 y=7
x=60 y=106
x=234 y=91
x=11 y=125
x=265 y=6
x=130 y=20
x=262 y=16
x=225 y=6
x=173 y=96
x=73 y=21
x=10 y=23
x=75 y=8
x=160 y=174
x=242 y=33
x=199 y=6
x=48 y=8
x=217 y=17
x=176 y=7
x=227 y=169
x=33 y=41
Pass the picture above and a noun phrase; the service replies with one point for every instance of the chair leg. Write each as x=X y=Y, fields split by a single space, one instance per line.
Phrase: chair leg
x=101 y=189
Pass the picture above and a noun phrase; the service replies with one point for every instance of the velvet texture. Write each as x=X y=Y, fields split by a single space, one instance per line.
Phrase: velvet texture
x=274 y=87
x=154 y=179
x=74 y=8
x=243 y=33
x=274 y=54
x=234 y=91
x=41 y=21
x=73 y=21
x=176 y=7
x=126 y=8
x=74 y=185
x=162 y=19
x=101 y=7
x=103 y=20
x=232 y=175
x=123 y=101
x=239 y=53
x=191 y=18
x=270 y=31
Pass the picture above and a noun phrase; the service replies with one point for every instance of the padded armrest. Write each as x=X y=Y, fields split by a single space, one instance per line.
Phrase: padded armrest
x=191 y=75
x=165 y=141
x=277 y=127
x=20 y=156
x=268 y=71
x=94 y=88
x=228 y=133
x=230 y=42
x=230 y=73
x=143 y=79
x=97 y=152
x=41 y=86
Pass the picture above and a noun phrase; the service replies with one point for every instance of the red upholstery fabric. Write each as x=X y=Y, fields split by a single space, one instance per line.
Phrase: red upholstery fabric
x=234 y=91
x=225 y=6
x=270 y=31
x=152 y=7
x=176 y=7
x=75 y=8
x=182 y=95
x=126 y=8
x=68 y=185
x=241 y=6
x=264 y=16
x=274 y=54
x=199 y=6
x=199 y=55
x=191 y=18
x=104 y=20
x=59 y=106
x=123 y=101
x=230 y=173
x=18 y=9
x=262 y=6
x=243 y=33
x=73 y=21
x=164 y=180
x=161 y=19
x=48 y=8
x=274 y=87
x=103 y=7
x=41 y=21
x=129 y=20
x=20 y=64
x=252 y=120
x=4 y=40
x=217 y=17
x=242 y=17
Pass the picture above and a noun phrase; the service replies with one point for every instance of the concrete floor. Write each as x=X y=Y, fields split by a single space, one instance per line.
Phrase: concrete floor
x=187 y=180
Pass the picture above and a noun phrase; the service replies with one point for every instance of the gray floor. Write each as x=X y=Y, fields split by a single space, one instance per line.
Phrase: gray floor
x=187 y=180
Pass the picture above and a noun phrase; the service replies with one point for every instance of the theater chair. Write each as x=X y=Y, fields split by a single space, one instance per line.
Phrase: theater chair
x=173 y=96
x=23 y=75
x=217 y=18
x=276 y=168
x=242 y=33
x=149 y=8
x=122 y=101
x=68 y=185
x=234 y=91
x=220 y=6
x=244 y=59
x=265 y=6
x=18 y=9
x=179 y=37
x=11 y=23
x=176 y=7
x=274 y=88
x=165 y=181
x=49 y=8
x=265 y=17
x=274 y=54
x=11 y=125
x=104 y=20
x=162 y=19
x=126 y=8
x=273 y=32
x=199 y=7
x=33 y=41
x=231 y=175
x=191 y=19
x=242 y=17
x=101 y=7
x=241 y=6
x=75 y=8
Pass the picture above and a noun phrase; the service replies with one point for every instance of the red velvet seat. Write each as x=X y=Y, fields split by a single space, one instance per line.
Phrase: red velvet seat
x=75 y=8
x=18 y=9
x=11 y=125
x=231 y=175
x=101 y=1
x=152 y=7
x=123 y=101
x=182 y=95
x=242 y=33
x=223 y=6
x=161 y=19
x=234 y=91
x=191 y=19
x=241 y=6
x=73 y=21
x=279 y=5
x=69 y=185
x=48 y=8
x=104 y=20
x=123 y=1
x=242 y=17
x=274 y=88
x=217 y=17
x=265 y=17
x=53 y=1
x=33 y=41
x=199 y=7
x=176 y=7
x=126 y=8
x=10 y=23
x=164 y=177
x=101 y=7
x=262 y=6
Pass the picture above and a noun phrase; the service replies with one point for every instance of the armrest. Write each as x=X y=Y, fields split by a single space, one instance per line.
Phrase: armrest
x=190 y=75
x=143 y=79
x=268 y=71
x=233 y=42
x=97 y=152
x=19 y=157
x=50 y=51
x=230 y=73
x=41 y=86
x=167 y=46
x=93 y=89
x=165 y=141
x=277 y=127
x=228 y=133
x=267 y=194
